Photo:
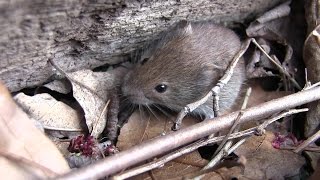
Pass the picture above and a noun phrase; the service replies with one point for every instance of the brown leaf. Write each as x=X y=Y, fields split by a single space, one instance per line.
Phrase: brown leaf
x=259 y=95
x=19 y=137
x=266 y=162
x=91 y=91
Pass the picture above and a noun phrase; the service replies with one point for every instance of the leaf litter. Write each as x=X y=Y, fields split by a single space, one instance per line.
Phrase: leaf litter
x=90 y=89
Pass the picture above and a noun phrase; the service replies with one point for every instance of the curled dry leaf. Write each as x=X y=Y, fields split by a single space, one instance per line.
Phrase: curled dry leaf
x=49 y=112
x=91 y=91
x=266 y=162
x=275 y=28
x=19 y=137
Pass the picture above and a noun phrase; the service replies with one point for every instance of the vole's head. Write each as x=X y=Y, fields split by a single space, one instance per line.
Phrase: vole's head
x=182 y=67
x=164 y=81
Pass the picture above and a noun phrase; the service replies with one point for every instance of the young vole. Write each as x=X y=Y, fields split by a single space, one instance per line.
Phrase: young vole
x=183 y=67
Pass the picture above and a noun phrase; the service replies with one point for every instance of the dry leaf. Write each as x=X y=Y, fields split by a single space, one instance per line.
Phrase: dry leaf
x=259 y=95
x=275 y=28
x=51 y=113
x=266 y=162
x=92 y=95
x=21 y=138
x=62 y=86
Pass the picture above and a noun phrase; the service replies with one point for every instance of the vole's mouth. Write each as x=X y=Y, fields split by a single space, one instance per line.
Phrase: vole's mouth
x=139 y=100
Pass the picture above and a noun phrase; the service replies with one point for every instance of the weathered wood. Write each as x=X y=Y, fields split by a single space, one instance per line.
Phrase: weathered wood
x=311 y=57
x=86 y=34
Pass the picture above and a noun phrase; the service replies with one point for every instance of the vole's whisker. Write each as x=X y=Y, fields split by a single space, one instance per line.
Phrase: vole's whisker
x=124 y=100
x=154 y=114
x=140 y=113
x=163 y=111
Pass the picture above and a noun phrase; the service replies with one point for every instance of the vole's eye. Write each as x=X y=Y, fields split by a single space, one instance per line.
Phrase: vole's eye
x=144 y=61
x=161 y=88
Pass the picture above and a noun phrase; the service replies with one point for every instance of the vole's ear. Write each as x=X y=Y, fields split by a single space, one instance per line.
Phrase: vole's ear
x=185 y=27
x=210 y=73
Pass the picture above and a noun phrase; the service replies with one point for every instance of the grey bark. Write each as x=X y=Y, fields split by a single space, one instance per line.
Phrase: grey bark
x=86 y=34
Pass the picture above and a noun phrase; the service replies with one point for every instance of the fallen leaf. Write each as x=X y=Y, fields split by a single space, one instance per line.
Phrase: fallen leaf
x=266 y=162
x=259 y=95
x=91 y=91
x=52 y=114
x=20 y=138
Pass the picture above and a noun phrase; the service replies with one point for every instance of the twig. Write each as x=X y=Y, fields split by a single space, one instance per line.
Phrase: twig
x=283 y=71
x=74 y=80
x=227 y=149
x=187 y=149
x=307 y=142
x=236 y=145
x=246 y=98
x=20 y=159
x=233 y=127
x=235 y=124
x=311 y=149
x=215 y=90
x=61 y=129
x=225 y=144
x=225 y=79
x=170 y=141
x=95 y=122
x=282 y=115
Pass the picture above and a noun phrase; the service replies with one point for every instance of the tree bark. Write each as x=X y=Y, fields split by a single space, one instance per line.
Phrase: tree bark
x=311 y=57
x=89 y=33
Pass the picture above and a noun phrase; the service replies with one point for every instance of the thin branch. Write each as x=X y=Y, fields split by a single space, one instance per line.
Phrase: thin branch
x=61 y=129
x=215 y=91
x=225 y=79
x=65 y=74
x=311 y=149
x=173 y=140
x=233 y=127
x=95 y=122
x=307 y=142
x=281 y=69
x=192 y=147
x=225 y=144
x=227 y=149
x=246 y=98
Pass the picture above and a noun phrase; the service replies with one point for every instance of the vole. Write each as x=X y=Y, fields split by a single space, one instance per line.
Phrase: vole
x=183 y=66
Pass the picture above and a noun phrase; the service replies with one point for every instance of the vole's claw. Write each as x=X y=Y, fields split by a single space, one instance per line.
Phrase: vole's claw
x=175 y=127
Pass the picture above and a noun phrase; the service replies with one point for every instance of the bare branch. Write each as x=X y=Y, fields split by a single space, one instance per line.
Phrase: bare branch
x=215 y=90
x=192 y=147
x=173 y=140
x=307 y=142
x=283 y=71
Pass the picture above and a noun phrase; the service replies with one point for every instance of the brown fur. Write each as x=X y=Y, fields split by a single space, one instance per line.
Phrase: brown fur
x=189 y=60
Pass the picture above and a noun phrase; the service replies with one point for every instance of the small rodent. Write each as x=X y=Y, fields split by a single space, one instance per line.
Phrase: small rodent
x=183 y=66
